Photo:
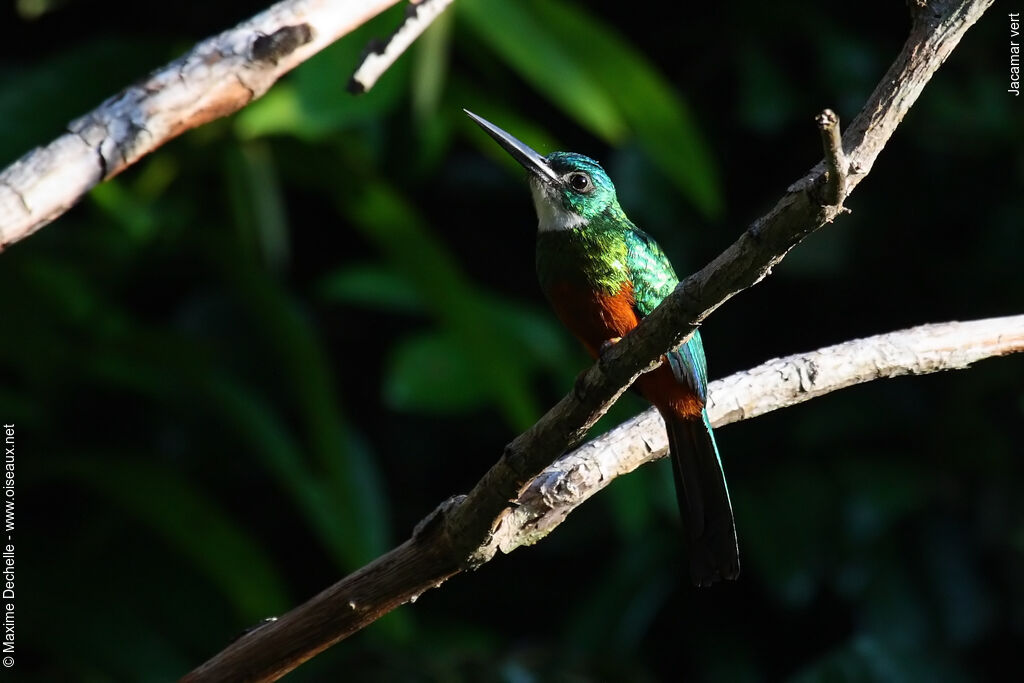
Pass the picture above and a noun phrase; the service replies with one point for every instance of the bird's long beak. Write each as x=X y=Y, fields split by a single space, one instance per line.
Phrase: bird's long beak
x=531 y=161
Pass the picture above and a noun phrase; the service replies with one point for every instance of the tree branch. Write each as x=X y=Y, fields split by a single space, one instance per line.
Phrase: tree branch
x=425 y=560
x=467 y=531
x=222 y=74
x=472 y=525
x=775 y=384
x=217 y=77
x=379 y=58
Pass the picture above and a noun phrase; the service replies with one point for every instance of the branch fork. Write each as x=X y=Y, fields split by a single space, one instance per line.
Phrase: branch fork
x=483 y=522
x=224 y=73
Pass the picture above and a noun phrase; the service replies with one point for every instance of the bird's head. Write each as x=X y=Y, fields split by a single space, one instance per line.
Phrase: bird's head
x=569 y=190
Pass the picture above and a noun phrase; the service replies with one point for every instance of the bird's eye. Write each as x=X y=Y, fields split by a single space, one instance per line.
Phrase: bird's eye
x=580 y=182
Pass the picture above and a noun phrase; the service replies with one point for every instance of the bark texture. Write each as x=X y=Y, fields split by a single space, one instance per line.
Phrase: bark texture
x=427 y=559
x=217 y=77
x=775 y=384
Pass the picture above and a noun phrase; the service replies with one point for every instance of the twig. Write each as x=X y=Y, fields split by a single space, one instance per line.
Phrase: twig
x=835 y=185
x=378 y=58
x=217 y=77
x=467 y=531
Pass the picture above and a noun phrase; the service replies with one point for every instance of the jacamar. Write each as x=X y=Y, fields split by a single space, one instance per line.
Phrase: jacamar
x=602 y=275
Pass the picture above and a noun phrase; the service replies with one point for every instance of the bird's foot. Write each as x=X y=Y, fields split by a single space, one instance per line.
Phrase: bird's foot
x=607 y=344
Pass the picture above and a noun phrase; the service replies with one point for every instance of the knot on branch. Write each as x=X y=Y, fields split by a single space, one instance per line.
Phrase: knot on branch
x=437 y=518
x=281 y=43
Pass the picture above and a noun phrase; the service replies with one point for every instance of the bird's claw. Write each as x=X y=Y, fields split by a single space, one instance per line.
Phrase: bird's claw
x=607 y=344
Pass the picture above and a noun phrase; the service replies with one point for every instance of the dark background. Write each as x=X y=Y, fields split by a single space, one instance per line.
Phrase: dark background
x=253 y=361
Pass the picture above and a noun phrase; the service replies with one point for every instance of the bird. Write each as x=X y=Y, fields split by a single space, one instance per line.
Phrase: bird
x=602 y=275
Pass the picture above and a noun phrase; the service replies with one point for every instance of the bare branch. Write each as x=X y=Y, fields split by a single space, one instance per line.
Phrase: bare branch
x=467 y=531
x=427 y=560
x=217 y=77
x=933 y=36
x=379 y=59
x=274 y=648
x=775 y=384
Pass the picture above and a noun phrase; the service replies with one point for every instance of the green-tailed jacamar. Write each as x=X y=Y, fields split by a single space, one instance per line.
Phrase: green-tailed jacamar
x=602 y=274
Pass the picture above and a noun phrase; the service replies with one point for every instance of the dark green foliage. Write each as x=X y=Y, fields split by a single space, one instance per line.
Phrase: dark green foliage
x=253 y=361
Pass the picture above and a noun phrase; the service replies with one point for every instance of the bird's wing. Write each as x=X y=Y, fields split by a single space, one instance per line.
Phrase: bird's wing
x=653 y=279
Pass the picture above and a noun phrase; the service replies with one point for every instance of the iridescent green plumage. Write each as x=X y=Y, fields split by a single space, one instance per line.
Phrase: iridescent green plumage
x=602 y=275
x=608 y=252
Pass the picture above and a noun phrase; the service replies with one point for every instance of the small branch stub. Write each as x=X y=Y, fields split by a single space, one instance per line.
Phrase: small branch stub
x=835 y=160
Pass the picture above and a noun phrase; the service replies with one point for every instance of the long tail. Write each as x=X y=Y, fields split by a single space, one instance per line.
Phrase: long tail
x=703 y=500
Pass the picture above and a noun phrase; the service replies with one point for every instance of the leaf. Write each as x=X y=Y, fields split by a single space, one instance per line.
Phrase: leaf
x=361 y=531
x=278 y=112
x=271 y=443
x=256 y=201
x=537 y=53
x=534 y=331
x=497 y=361
x=126 y=210
x=430 y=67
x=191 y=523
x=373 y=286
x=314 y=103
x=526 y=130
x=656 y=114
x=430 y=373
x=341 y=495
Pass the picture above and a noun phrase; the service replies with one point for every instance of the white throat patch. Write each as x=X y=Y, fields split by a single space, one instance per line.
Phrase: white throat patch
x=551 y=215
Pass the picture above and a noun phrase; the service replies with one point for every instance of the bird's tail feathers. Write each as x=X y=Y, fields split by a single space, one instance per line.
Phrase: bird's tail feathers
x=703 y=500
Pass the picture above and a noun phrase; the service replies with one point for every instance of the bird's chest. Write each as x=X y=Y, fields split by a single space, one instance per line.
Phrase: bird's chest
x=592 y=315
x=587 y=280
